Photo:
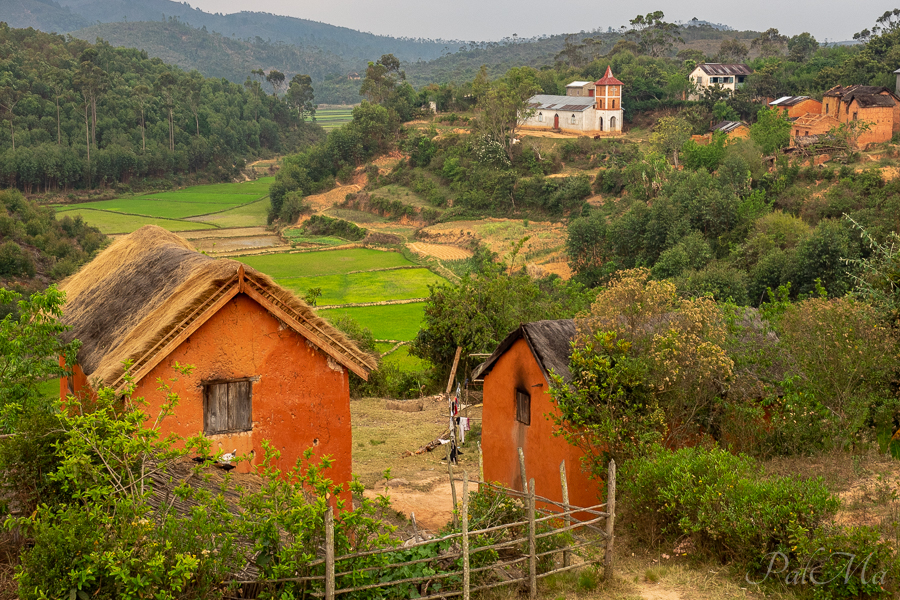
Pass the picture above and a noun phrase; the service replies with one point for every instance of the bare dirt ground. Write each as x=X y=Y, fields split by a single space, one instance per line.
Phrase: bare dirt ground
x=383 y=438
x=543 y=248
x=231 y=244
x=203 y=234
x=440 y=251
x=322 y=202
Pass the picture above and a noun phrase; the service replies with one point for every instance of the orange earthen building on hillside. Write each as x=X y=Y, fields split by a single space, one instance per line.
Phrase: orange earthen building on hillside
x=265 y=366
x=797 y=106
x=518 y=413
x=877 y=106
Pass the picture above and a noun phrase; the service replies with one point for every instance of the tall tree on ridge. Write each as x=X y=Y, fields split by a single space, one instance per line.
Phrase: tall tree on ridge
x=276 y=79
x=141 y=93
x=165 y=85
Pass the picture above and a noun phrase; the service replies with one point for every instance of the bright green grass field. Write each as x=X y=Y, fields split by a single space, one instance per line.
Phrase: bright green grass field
x=326 y=262
x=110 y=222
x=247 y=215
x=366 y=287
x=392 y=322
x=331 y=118
x=168 y=209
x=405 y=361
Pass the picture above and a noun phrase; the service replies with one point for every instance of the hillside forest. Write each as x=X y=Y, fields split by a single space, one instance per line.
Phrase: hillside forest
x=80 y=115
x=736 y=308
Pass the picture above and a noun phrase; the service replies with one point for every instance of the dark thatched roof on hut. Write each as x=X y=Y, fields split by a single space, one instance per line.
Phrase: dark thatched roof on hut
x=550 y=343
x=141 y=296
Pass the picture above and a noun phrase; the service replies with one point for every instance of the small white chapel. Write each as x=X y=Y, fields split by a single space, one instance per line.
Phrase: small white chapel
x=587 y=108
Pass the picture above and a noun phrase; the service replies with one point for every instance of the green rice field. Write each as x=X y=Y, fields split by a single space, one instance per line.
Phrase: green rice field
x=405 y=361
x=330 y=270
x=332 y=118
x=376 y=286
x=111 y=222
x=392 y=322
x=326 y=262
x=216 y=205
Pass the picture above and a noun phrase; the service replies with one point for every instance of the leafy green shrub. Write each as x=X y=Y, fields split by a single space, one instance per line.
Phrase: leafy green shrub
x=723 y=502
x=14 y=261
x=722 y=281
x=842 y=358
x=328 y=226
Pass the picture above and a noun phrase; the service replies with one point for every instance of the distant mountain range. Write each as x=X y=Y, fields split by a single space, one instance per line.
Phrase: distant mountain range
x=65 y=16
x=231 y=46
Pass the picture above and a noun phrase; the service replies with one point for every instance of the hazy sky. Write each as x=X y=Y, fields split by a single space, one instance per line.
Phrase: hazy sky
x=494 y=19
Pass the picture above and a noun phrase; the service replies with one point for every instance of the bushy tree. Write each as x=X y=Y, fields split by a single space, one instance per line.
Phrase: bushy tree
x=31 y=349
x=772 y=130
x=479 y=312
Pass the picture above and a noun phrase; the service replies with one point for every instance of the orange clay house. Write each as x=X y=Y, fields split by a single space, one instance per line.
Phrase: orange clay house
x=875 y=105
x=797 y=106
x=266 y=367
x=517 y=413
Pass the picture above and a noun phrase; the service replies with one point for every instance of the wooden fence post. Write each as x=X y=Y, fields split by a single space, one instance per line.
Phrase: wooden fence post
x=566 y=508
x=452 y=488
x=464 y=517
x=532 y=545
x=480 y=463
x=610 y=520
x=329 y=554
x=522 y=469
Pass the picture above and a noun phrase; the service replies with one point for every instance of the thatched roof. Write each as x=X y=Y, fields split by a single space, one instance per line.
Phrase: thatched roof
x=149 y=290
x=550 y=343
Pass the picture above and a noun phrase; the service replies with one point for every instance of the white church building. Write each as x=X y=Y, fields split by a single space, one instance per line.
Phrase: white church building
x=586 y=109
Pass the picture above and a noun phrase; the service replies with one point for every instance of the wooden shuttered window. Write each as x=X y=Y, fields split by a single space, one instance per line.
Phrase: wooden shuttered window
x=523 y=407
x=228 y=406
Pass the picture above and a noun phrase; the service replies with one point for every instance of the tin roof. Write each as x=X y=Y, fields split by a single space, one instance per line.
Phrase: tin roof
x=578 y=84
x=608 y=78
x=727 y=126
x=789 y=100
x=722 y=69
x=564 y=103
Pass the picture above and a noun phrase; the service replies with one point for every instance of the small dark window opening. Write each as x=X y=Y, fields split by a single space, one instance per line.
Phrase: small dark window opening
x=854 y=116
x=523 y=407
x=227 y=406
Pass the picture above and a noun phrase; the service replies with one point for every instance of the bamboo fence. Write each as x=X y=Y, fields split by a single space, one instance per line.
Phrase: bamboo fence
x=586 y=528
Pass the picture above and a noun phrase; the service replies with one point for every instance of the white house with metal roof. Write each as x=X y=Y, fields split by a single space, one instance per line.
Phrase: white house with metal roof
x=729 y=77
x=598 y=111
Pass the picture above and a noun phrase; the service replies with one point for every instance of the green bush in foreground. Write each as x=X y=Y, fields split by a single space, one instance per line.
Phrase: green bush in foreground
x=778 y=528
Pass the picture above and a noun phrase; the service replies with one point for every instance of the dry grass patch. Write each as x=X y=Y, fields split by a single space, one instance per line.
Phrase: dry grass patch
x=546 y=239
x=381 y=437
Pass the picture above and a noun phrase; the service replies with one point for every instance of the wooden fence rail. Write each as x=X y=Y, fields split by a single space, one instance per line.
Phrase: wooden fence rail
x=461 y=550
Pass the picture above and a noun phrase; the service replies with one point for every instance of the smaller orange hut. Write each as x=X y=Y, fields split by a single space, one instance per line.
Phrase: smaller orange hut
x=265 y=366
x=797 y=106
x=518 y=413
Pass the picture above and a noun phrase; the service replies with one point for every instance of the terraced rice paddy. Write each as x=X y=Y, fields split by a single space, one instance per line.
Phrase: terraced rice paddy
x=350 y=277
x=332 y=118
x=372 y=286
x=392 y=322
x=333 y=262
x=197 y=207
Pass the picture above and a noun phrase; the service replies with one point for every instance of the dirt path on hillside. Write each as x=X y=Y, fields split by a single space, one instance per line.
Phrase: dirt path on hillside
x=441 y=251
x=433 y=509
x=322 y=202
x=653 y=592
